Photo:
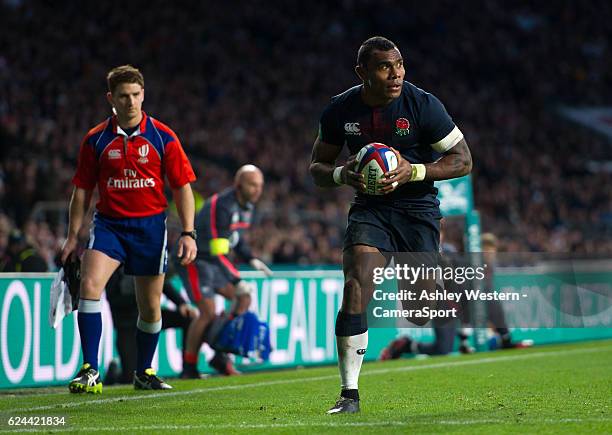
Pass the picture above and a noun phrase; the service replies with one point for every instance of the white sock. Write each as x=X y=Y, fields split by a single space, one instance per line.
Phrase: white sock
x=351 y=351
x=90 y=306
x=149 y=327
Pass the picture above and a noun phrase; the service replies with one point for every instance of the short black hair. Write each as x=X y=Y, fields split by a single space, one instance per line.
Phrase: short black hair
x=374 y=43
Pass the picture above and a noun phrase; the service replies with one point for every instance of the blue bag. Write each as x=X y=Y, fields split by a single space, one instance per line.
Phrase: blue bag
x=245 y=335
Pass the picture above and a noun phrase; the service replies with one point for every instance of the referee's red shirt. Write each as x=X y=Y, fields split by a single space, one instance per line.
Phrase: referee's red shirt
x=129 y=171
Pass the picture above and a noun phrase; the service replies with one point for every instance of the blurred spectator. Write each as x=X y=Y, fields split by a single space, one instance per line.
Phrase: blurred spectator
x=21 y=257
x=254 y=95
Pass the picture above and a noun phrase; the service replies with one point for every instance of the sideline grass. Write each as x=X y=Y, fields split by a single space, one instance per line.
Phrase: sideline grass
x=551 y=389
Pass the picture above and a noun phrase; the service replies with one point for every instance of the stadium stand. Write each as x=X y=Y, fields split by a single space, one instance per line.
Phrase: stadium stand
x=245 y=82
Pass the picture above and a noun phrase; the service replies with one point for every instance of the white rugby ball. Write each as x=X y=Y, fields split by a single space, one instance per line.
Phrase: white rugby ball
x=373 y=161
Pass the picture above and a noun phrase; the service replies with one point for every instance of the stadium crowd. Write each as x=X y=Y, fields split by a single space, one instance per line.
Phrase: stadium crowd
x=245 y=82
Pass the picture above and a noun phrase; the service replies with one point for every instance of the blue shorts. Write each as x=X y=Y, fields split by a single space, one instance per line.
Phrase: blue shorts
x=392 y=229
x=138 y=243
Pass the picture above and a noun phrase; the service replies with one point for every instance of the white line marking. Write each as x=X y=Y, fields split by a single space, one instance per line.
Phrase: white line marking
x=73 y=404
x=509 y=420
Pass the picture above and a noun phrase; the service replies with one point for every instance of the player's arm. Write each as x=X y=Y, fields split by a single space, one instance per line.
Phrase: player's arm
x=218 y=222
x=445 y=138
x=456 y=162
x=172 y=294
x=325 y=172
x=84 y=181
x=79 y=204
x=243 y=249
x=180 y=174
x=185 y=205
x=182 y=305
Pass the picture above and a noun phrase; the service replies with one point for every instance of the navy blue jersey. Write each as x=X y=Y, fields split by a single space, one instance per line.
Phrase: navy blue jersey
x=416 y=124
x=222 y=217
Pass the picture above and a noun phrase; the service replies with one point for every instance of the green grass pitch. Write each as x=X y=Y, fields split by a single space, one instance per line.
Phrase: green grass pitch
x=548 y=389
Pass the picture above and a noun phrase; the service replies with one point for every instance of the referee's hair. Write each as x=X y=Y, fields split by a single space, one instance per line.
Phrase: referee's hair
x=123 y=74
x=374 y=43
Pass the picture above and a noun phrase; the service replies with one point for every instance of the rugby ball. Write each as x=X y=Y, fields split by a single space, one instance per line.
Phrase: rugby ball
x=373 y=161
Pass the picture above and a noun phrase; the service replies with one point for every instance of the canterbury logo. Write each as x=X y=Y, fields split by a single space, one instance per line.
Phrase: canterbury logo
x=361 y=351
x=143 y=151
x=352 y=128
x=114 y=154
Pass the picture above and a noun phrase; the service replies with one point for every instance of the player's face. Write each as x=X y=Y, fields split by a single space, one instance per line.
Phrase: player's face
x=127 y=100
x=384 y=74
x=251 y=186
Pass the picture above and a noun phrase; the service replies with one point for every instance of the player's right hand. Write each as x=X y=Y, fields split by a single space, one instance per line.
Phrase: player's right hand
x=257 y=264
x=187 y=250
x=398 y=176
x=352 y=178
x=68 y=249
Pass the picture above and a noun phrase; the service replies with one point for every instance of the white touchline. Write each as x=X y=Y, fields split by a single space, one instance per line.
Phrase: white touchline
x=510 y=420
x=73 y=404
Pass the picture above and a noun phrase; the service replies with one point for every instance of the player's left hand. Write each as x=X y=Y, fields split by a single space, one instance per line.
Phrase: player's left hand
x=398 y=176
x=257 y=264
x=187 y=250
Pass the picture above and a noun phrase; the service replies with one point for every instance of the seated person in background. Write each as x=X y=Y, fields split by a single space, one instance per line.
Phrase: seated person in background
x=496 y=316
x=445 y=335
x=220 y=225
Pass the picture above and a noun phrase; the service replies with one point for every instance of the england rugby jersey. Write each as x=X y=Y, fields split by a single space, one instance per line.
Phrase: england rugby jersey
x=416 y=124
x=129 y=169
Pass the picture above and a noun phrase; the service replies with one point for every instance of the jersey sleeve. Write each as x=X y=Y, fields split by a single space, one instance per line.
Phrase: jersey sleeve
x=330 y=130
x=438 y=127
x=86 y=175
x=220 y=220
x=178 y=167
x=173 y=294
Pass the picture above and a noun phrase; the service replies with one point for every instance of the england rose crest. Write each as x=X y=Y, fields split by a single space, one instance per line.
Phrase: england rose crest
x=402 y=127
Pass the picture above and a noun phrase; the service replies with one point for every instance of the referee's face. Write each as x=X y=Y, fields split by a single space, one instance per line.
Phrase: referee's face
x=127 y=100
x=384 y=74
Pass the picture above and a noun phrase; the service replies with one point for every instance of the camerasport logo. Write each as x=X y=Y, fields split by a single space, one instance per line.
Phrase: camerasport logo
x=143 y=152
x=402 y=127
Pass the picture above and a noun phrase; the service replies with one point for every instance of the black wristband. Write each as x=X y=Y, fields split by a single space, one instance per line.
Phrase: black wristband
x=193 y=234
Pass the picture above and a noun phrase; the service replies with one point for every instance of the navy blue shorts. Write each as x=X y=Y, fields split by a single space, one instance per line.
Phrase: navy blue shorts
x=203 y=278
x=138 y=243
x=392 y=229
